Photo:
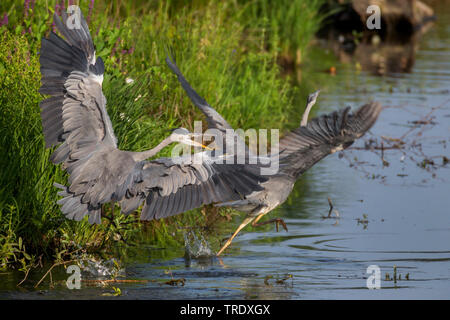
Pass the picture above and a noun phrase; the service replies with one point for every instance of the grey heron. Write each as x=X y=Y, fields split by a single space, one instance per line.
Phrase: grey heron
x=75 y=118
x=300 y=149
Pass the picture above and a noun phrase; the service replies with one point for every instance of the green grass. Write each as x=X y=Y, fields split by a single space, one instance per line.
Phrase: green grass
x=229 y=51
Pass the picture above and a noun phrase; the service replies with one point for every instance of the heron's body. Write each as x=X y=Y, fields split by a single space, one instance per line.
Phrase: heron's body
x=275 y=191
x=300 y=149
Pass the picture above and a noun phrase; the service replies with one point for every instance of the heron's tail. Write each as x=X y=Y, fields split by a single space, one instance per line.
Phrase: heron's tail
x=58 y=58
x=73 y=208
x=306 y=145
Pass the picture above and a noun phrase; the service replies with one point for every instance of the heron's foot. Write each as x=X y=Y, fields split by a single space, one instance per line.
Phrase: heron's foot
x=277 y=222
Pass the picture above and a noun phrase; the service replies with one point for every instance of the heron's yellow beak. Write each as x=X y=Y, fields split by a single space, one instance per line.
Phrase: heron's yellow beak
x=198 y=144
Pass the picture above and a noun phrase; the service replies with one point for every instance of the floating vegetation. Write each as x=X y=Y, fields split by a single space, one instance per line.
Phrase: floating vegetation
x=332 y=210
x=364 y=221
x=396 y=276
x=172 y=281
x=407 y=148
x=280 y=280
x=176 y=282
x=116 y=293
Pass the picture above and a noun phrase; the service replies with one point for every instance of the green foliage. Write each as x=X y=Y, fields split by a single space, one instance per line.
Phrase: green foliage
x=290 y=24
x=27 y=196
x=227 y=50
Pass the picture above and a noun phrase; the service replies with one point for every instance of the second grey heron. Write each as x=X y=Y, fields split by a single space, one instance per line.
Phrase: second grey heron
x=300 y=149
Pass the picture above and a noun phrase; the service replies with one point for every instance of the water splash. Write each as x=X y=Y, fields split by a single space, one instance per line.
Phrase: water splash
x=195 y=247
x=102 y=268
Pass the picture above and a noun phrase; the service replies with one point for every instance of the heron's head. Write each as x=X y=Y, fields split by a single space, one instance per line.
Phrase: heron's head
x=183 y=135
x=313 y=97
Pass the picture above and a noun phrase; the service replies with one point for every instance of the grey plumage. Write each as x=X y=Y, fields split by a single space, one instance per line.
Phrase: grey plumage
x=299 y=150
x=76 y=119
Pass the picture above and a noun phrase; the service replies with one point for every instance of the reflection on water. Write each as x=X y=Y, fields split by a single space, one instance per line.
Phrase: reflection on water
x=389 y=49
x=390 y=215
x=378 y=57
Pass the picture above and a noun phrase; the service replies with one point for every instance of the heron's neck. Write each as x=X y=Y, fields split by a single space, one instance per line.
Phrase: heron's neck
x=306 y=114
x=141 y=156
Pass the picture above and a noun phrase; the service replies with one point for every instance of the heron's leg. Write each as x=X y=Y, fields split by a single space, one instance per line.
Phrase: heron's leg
x=243 y=224
x=277 y=221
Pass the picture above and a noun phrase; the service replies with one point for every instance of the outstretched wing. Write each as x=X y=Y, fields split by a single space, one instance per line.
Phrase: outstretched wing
x=171 y=187
x=75 y=114
x=214 y=119
x=306 y=145
x=230 y=144
x=167 y=186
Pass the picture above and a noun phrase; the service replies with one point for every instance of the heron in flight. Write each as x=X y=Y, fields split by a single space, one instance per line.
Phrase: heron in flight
x=75 y=118
x=300 y=149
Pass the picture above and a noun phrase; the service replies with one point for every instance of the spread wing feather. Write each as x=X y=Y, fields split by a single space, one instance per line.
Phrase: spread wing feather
x=306 y=145
x=213 y=118
x=170 y=187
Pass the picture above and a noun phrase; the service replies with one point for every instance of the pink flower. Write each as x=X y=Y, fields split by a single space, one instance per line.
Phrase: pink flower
x=91 y=6
x=26 y=7
x=4 y=21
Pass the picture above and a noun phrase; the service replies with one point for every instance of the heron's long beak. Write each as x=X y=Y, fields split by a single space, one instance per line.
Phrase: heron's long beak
x=198 y=144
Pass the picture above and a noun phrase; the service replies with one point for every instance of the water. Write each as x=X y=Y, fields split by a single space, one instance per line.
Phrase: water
x=395 y=215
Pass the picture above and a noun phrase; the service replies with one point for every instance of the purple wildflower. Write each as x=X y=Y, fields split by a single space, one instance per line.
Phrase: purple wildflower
x=58 y=12
x=113 y=51
x=26 y=6
x=32 y=7
x=91 y=6
x=4 y=21
x=131 y=50
x=58 y=9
